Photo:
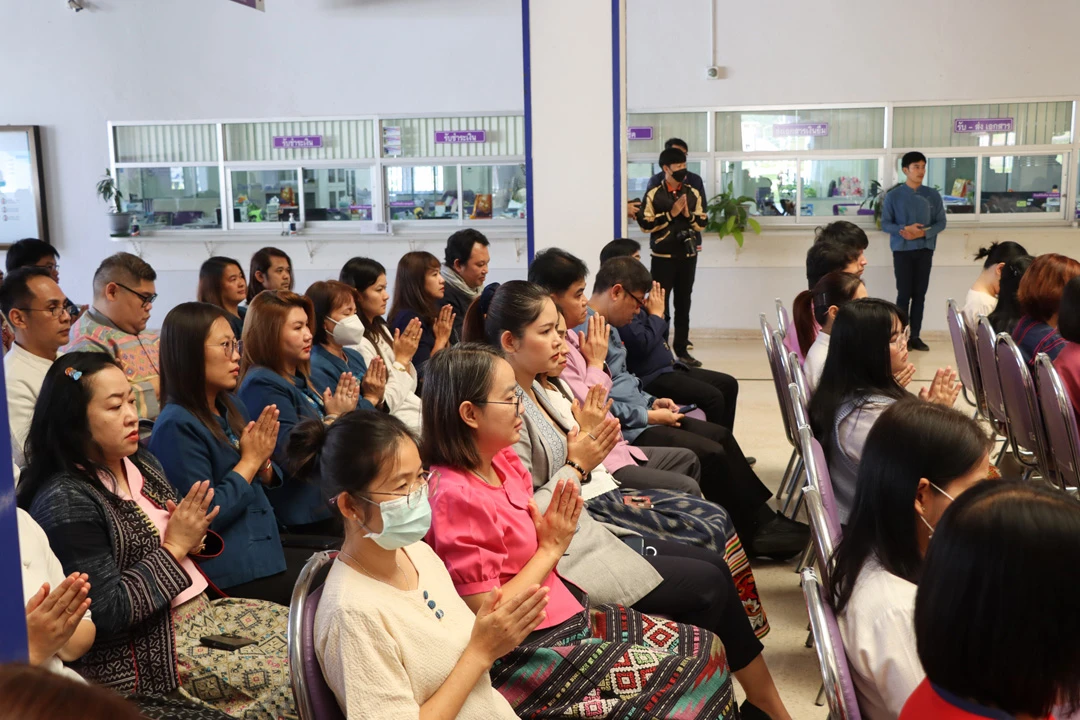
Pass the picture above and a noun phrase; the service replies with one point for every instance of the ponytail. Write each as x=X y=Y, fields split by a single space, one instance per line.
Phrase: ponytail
x=835 y=289
x=304 y=449
x=472 y=329
x=802 y=314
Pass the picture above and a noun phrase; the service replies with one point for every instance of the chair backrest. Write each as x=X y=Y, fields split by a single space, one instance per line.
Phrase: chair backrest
x=988 y=371
x=1021 y=407
x=798 y=376
x=774 y=352
x=1062 y=436
x=314 y=698
x=819 y=530
x=835 y=672
x=964 y=352
x=783 y=318
x=799 y=414
x=817 y=475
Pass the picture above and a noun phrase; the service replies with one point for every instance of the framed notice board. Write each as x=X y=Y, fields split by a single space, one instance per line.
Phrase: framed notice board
x=22 y=185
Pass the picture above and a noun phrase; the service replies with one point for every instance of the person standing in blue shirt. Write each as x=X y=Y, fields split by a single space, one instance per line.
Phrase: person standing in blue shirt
x=914 y=216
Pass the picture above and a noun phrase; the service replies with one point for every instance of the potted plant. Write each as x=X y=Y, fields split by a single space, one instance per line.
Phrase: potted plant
x=729 y=215
x=875 y=200
x=109 y=191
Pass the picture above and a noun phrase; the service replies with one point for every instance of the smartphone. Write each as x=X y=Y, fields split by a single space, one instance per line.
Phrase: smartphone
x=229 y=643
x=687 y=408
x=635 y=542
x=641 y=501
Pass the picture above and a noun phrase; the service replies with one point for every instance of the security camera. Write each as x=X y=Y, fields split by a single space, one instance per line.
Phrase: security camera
x=75 y=5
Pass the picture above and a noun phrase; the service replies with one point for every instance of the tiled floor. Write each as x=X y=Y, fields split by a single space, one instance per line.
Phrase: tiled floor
x=760 y=432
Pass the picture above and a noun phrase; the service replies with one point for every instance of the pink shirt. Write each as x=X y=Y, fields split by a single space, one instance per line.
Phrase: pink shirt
x=580 y=377
x=1067 y=363
x=485 y=534
x=160 y=518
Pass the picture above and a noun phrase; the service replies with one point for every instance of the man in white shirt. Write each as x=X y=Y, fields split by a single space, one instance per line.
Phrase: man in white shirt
x=38 y=312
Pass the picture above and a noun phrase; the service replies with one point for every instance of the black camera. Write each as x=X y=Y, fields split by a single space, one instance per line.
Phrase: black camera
x=688 y=238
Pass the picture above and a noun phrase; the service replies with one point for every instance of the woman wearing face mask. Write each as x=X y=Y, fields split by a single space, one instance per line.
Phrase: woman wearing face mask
x=491 y=532
x=392 y=636
x=222 y=283
x=109 y=512
x=275 y=370
x=337 y=326
x=918 y=458
x=864 y=374
x=396 y=349
x=418 y=295
x=830 y=294
x=203 y=433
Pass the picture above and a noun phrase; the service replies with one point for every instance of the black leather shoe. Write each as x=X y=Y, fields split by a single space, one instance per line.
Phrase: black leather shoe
x=780 y=539
x=750 y=711
x=917 y=344
x=689 y=360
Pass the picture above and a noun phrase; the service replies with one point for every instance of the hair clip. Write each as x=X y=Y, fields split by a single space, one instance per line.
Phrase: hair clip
x=73 y=373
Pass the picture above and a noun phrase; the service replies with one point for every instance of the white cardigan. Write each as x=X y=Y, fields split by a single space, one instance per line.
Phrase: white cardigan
x=400 y=395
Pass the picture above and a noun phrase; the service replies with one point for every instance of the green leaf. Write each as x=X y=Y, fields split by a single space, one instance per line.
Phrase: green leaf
x=729 y=226
x=738 y=237
x=755 y=225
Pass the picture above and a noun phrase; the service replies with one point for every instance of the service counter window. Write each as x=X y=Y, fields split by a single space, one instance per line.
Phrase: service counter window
x=638 y=175
x=171 y=198
x=954 y=178
x=424 y=192
x=772 y=184
x=493 y=192
x=264 y=196
x=1021 y=184
x=338 y=194
x=647 y=132
x=838 y=187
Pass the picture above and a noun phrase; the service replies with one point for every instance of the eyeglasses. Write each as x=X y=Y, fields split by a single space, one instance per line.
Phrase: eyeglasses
x=229 y=347
x=519 y=400
x=902 y=338
x=639 y=301
x=147 y=299
x=57 y=311
x=424 y=487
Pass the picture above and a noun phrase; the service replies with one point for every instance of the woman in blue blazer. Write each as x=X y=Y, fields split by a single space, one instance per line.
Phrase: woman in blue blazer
x=275 y=368
x=336 y=326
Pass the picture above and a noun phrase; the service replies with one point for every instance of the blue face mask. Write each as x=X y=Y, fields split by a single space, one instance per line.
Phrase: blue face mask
x=403 y=525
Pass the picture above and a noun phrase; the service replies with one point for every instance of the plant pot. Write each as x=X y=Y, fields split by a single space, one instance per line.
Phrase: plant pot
x=119 y=224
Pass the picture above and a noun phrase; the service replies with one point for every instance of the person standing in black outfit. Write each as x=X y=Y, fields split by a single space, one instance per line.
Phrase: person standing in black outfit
x=673 y=213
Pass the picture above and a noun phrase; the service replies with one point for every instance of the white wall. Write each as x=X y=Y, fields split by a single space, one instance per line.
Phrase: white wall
x=843 y=51
x=215 y=59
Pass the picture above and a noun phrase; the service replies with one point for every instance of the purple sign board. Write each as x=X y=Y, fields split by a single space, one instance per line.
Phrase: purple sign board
x=458 y=137
x=253 y=4
x=801 y=130
x=639 y=133
x=983 y=125
x=295 y=142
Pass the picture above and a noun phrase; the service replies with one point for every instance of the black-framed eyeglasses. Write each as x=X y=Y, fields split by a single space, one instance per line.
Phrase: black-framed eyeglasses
x=229 y=347
x=639 y=301
x=147 y=298
x=56 y=311
x=519 y=400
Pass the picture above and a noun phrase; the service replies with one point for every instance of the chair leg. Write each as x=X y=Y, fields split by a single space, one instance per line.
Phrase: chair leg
x=787 y=472
x=820 y=696
x=1028 y=472
x=806 y=559
x=1001 y=453
x=795 y=486
x=810 y=640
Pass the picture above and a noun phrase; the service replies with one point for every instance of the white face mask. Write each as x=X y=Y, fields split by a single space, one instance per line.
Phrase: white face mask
x=348 y=331
x=927 y=524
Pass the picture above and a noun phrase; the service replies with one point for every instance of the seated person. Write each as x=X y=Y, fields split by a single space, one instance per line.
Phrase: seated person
x=1067 y=363
x=108 y=511
x=989 y=544
x=203 y=433
x=31 y=252
x=39 y=312
x=115 y=324
x=824 y=256
x=646 y=421
x=865 y=372
x=830 y=294
x=418 y=295
x=392 y=636
x=337 y=326
x=514 y=540
x=275 y=371
x=847 y=233
x=1007 y=313
x=1040 y=299
x=396 y=349
x=222 y=283
x=466 y=268
x=918 y=458
x=58 y=623
x=271 y=269
x=982 y=298
x=33 y=693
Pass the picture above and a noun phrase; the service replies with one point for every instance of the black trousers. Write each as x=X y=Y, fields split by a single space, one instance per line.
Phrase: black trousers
x=714 y=392
x=912 y=270
x=676 y=276
x=726 y=478
x=698 y=590
x=275 y=588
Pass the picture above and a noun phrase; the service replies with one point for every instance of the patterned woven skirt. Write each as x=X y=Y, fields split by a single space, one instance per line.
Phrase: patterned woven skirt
x=695 y=521
x=614 y=662
x=251 y=683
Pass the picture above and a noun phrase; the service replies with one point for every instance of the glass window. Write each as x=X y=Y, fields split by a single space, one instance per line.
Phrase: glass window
x=331 y=194
x=423 y=192
x=837 y=187
x=770 y=182
x=954 y=178
x=264 y=195
x=1037 y=123
x=166 y=143
x=1021 y=184
x=177 y=197
x=300 y=140
x=493 y=191
x=692 y=128
x=787 y=130
x=487 y=136
x=638 y=175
